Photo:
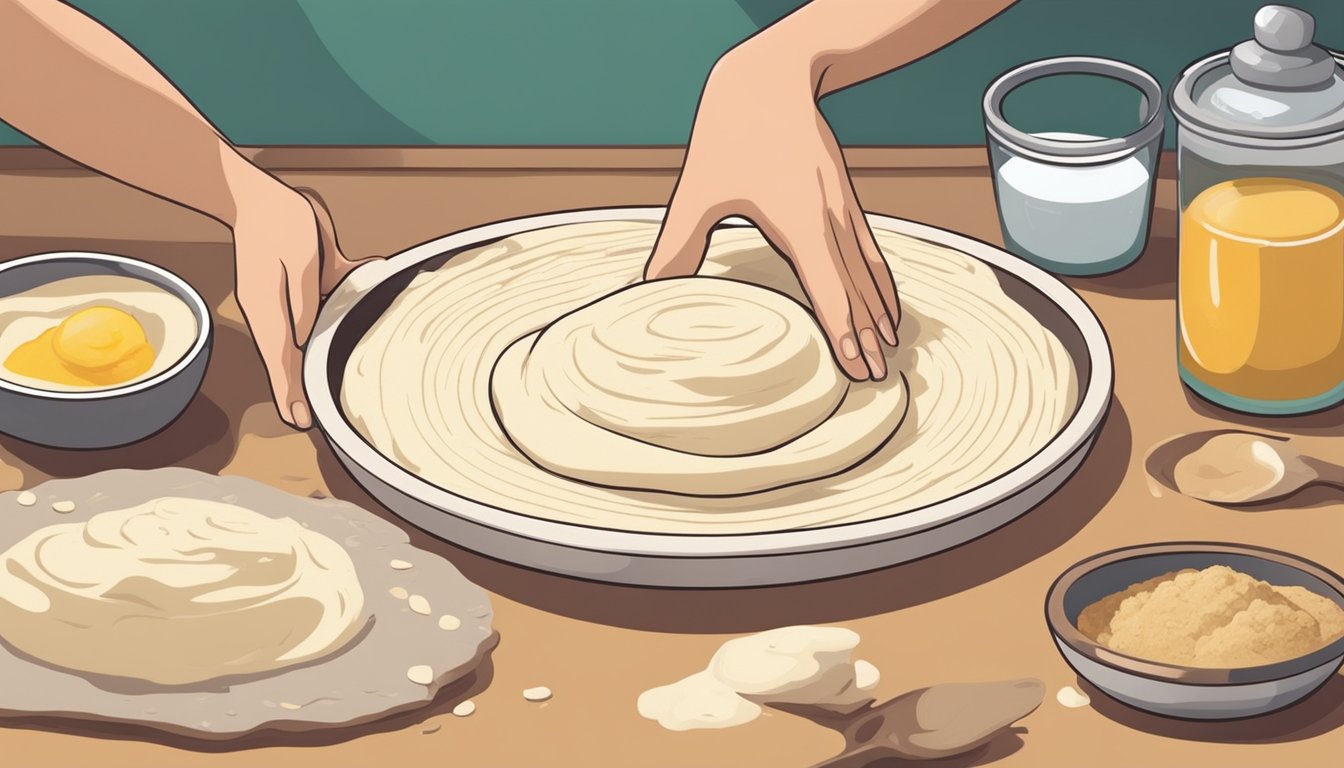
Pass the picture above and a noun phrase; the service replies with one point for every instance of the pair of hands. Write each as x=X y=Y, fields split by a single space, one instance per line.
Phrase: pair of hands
x=760 y=148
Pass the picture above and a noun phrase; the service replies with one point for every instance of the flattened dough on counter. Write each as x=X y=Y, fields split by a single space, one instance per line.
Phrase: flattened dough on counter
x=366 y=680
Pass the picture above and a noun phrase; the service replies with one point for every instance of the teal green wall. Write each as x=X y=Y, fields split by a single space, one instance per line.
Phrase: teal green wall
x=614 y=71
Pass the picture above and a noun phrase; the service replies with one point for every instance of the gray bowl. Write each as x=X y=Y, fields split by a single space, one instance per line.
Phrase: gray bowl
x=103 y=418
x=1171 y=689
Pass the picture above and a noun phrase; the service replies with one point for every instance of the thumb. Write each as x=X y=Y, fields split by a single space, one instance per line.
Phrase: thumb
x=681 y=243
x=287 y=388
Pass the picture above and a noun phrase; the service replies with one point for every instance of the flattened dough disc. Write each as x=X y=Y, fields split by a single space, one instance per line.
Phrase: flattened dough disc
x=364 y=681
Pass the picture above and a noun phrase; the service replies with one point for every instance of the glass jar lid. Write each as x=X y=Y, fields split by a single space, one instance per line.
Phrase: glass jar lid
x=1279 y=85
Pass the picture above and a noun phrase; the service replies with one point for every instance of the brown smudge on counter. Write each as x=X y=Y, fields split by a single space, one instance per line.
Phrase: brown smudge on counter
x=230 y=313
x=932 y=723
x=275 y=453
x=11 y=477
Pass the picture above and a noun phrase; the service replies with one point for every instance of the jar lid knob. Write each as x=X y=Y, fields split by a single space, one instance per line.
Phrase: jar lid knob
x=1284 y=29
x=1282 y=54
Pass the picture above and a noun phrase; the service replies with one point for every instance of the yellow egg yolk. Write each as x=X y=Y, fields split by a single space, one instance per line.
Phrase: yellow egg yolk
x=97 y=346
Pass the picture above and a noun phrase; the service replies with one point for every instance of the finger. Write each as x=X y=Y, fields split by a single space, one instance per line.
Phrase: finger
x=864 y=301
x=263 y=304
x=879 y=272
x=301 y=280
x=824 y=281
x=334 y=265
x=682 y=241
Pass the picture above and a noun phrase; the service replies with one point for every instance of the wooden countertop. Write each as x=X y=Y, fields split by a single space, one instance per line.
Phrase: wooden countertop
x=972 y=613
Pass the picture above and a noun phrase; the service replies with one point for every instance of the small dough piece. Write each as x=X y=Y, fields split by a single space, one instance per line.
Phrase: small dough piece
x=1072 y=697
x=26 y=498
x=449 y=622
x=419 y=604
x=401 y=565
x=465 y=709
x=540 y=693
x=64 y=507
x=698 y=701
x=420 y=674
x=789 y=665
x=866 y=675
x=399 y=593
x=794 y=665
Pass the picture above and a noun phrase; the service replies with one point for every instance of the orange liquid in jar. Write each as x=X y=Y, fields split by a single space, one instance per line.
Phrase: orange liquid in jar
x=1262 y=289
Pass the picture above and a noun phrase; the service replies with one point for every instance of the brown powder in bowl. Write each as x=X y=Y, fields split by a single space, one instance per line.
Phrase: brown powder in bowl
x=1217 y=617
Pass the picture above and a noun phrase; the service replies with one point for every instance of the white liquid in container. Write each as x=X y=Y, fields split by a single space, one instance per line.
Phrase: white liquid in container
x=1075 y=215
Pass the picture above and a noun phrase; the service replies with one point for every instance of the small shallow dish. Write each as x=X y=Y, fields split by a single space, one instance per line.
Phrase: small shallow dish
x=1171 y=689
x=102 y=418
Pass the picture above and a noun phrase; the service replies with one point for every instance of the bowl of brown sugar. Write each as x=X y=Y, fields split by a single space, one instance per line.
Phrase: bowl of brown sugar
x=1200 y=630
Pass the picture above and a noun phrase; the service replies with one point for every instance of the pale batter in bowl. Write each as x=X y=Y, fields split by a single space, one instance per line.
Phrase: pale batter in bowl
x=168 y=325
x=981 y=385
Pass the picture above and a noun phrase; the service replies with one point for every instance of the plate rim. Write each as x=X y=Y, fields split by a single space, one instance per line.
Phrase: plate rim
x=1093 y=404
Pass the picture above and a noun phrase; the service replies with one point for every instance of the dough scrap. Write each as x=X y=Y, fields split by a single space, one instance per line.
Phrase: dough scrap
x=789 y=665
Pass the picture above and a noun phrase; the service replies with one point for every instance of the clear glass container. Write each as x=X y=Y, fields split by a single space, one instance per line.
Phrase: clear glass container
x=1260 y=148
x=1073 y=203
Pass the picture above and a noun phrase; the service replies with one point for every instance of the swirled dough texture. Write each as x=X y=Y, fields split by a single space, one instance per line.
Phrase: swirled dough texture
x=697 y=386
x=594 y=400
x=178 y=591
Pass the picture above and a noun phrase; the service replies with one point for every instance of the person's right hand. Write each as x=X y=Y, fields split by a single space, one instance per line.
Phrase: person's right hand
x=760 y=148
x=286 y=259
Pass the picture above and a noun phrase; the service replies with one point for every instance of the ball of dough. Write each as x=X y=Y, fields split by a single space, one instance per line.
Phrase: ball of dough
x=698 y=386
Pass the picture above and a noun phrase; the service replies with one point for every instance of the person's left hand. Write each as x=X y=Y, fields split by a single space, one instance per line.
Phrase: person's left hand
x=286 y=259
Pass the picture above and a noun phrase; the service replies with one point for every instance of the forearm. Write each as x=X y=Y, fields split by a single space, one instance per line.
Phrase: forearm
x=82 y=91
x=838 y=43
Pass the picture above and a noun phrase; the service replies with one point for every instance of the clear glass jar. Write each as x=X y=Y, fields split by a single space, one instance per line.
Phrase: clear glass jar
x=1260 y=146
x=1074 y=204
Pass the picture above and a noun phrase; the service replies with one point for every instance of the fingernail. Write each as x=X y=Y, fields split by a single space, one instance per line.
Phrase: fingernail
x=888 y=333
x=869 y=340
x=848 y=348
x=878 y=368
x=298 y=410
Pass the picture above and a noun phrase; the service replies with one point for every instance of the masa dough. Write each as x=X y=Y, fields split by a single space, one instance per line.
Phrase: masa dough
x=789 y=665
x=697 y=386
x=177 y=591
x=981 y=385
x=170 y=327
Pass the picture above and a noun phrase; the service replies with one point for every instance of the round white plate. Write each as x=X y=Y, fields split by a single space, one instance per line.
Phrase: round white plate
x=682 y=560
